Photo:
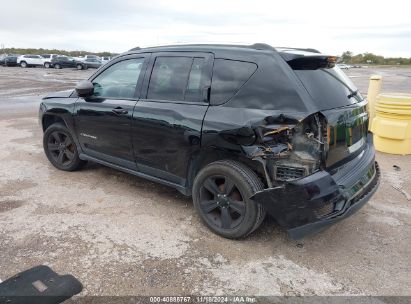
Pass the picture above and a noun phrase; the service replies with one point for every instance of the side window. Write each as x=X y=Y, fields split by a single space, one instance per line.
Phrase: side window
x=195 y=81
x=228 y=77
x=119 y=80
x=169 y=78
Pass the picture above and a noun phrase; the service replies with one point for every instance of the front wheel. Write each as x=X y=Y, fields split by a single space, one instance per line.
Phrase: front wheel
x=57 y=66
x=79 y=67
x=61 y=149
x=221 y=196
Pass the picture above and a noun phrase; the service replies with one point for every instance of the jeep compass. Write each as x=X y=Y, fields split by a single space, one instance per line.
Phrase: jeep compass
x=244 y=130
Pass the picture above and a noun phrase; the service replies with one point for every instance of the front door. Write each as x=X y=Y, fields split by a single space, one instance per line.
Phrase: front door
x=103 y=121
x=167 y=120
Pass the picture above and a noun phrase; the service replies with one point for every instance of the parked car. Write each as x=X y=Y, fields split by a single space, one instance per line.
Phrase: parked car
x=2 y=59
x=48 y=58
x=67 y=62
x=343 y=66
x=10 y=60
x=105 y=59
x=91 y=57
x=82 y=58
x=244 y=130
x=26 y=61
x=93 y=63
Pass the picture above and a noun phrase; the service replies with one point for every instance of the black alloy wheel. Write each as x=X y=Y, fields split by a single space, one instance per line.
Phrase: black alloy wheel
x=61 y=148
x=221 y=196
x=222 y=202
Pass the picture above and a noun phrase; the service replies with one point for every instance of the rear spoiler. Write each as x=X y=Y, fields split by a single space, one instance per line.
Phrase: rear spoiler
x=310 y=62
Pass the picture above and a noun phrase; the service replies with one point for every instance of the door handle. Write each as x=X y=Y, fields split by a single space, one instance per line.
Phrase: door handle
x=119 y=111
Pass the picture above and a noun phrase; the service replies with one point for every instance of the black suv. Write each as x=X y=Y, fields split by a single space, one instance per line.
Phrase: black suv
x=244 y=130
x=60 y=62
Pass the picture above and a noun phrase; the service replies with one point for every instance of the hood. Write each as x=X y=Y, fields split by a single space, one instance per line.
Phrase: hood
x=60 y=94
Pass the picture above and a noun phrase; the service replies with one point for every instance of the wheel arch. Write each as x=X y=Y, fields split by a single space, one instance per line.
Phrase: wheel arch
x=48 y=119
x=207 y=156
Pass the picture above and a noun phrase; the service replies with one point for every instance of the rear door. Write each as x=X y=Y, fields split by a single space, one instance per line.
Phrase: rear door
x=64 y=62
x=103 y=121
x=168 y=118
x=37 y=60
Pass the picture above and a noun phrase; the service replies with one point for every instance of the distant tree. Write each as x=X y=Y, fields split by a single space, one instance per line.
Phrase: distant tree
x=23 y=51
x=346 y=57
x=357 y=59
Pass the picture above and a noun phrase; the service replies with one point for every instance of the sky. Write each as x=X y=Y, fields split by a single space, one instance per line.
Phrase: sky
x=380 y=27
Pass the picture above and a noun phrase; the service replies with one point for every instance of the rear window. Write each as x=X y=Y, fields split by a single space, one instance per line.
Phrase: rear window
x=329 y=87
x=228 y=77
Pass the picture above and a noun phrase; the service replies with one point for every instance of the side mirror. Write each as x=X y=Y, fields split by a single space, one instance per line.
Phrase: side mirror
x=84 y=88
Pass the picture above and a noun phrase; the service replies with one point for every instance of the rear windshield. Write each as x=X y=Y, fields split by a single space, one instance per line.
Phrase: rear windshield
x=329 y=87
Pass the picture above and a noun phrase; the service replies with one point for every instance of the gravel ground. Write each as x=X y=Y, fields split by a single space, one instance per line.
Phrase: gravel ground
x=122 y=235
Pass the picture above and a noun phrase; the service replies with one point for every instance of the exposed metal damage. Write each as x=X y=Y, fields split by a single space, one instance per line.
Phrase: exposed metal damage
x=289 y=151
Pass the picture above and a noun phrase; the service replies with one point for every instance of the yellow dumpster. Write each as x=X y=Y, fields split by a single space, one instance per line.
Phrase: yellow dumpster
x=392 y=123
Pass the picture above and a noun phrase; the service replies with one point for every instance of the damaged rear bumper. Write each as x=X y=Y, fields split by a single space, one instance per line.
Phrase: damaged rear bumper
x=313 y=203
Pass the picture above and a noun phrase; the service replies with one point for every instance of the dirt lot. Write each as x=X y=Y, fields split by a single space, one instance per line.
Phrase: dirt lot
x=122 y=235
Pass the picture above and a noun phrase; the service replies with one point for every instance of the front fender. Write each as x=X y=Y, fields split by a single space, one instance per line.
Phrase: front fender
x=58 y=109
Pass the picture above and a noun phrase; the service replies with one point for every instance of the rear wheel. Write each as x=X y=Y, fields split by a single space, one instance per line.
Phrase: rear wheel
x=221 y=196
x=23 y=64
x=47 y=65
x=61 y=149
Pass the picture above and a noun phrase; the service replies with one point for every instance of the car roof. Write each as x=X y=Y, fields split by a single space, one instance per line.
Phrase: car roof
x=253 y=48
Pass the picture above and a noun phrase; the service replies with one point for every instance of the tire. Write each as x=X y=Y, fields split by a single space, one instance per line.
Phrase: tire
x=79 y=67
x=61 y=149
x=47 y=65
x=23 y=64
x=228 y=212
x=57 y=66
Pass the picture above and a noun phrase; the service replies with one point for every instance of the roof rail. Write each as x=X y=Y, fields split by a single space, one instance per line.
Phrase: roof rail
x=299 y=49
x=262 y=46
x=135 y=49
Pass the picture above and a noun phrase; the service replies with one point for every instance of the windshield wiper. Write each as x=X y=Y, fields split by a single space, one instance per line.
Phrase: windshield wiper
x=352 y=92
